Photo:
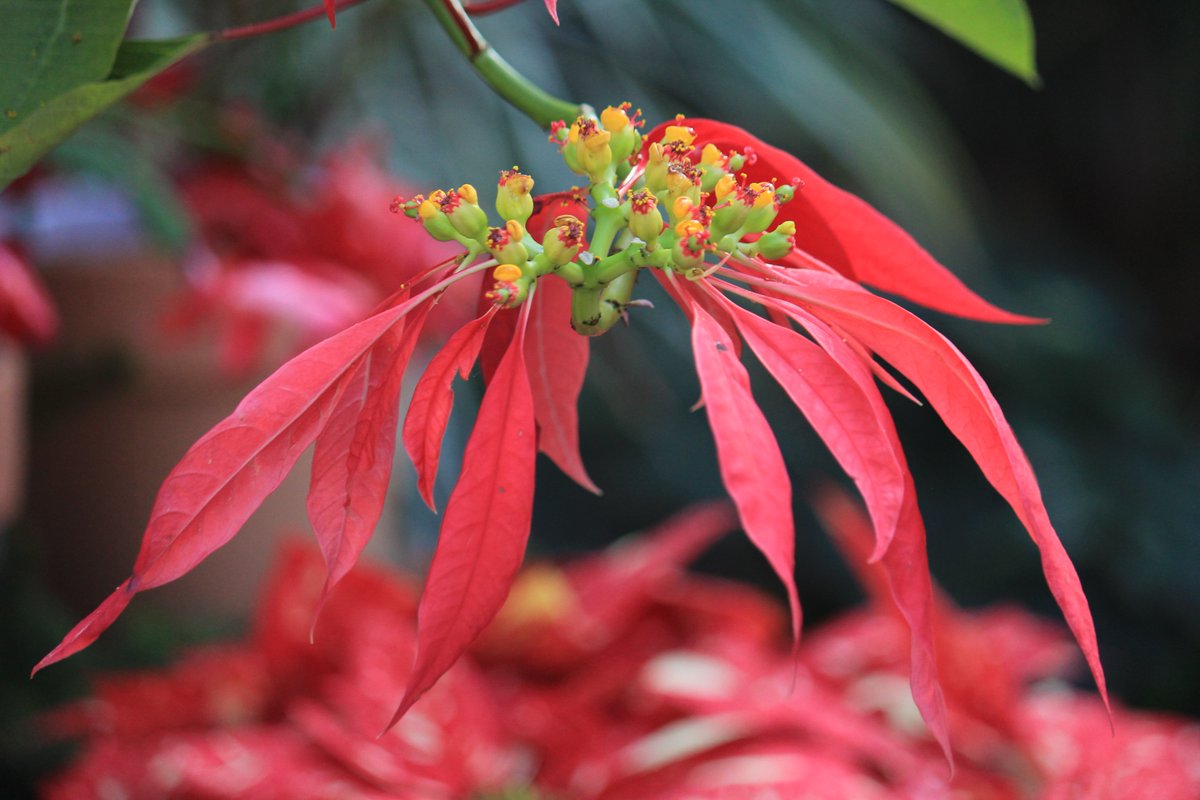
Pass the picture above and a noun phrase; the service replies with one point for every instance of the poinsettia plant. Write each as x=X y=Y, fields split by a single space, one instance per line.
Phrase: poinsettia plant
x=763 y=257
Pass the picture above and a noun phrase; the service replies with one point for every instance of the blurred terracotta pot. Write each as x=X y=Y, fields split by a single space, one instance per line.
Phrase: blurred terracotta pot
x=12 y=431
x=97 y=463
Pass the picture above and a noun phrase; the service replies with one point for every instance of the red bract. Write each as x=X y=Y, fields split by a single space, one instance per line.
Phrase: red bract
x=713 y=252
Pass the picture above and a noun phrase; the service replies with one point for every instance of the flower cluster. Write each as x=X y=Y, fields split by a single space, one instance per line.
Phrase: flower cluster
x=754 y=247
x=616 y=677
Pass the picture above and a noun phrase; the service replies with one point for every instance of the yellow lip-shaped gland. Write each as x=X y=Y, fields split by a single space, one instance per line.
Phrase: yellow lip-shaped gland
x=724 y=186
x=614 y=119
x=467 y=192
x=679 y=133
x=682 y=206
x=428 y=210
x=516 y=231
x=507 y=273
x=710 y=155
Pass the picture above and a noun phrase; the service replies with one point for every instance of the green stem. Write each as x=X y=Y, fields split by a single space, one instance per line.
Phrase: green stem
x=540 y=106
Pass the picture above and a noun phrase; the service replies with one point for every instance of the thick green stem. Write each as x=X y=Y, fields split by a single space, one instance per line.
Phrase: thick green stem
x=540 y=106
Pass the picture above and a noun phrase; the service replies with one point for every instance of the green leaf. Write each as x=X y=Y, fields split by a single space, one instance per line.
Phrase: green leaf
x=48 y=47
x=999 y=30
x=136 y=62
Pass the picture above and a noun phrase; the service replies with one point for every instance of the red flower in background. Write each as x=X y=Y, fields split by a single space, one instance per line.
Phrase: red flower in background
x=26 y=312
x=310 y=259
x=615 y=677
x=795 y=252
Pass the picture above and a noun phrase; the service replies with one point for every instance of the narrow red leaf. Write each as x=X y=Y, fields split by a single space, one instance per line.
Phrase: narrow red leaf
x=483 y=535
x=226 y=475
x=848 y=234
x=433 y=400
x=752 y=466
x=552 y=7
x=966 y=405
x=352 y=459
x=557 y=359
x=331 y=12
x=838 y=411
x=904 y=559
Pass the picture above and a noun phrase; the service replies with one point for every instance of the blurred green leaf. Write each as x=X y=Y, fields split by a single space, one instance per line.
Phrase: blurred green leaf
x=35 y=133
x=999 y=30
x=48 y=47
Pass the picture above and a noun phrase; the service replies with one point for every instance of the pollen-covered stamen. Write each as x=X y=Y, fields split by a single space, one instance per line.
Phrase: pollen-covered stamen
x=447 y=201
x=407 y=207
x=558 y=133
x=643 y=201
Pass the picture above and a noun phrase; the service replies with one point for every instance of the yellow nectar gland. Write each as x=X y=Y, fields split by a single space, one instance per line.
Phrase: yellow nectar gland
x=596 y=139
x=428 y=209
x=507 y=273
x=679 y=133
x=516 y=182
x=467 y=192
x=764 y=194
x=516 y=231
x=724 y=186
x=689 y=228
x=786 y=228
x=614 y=119
x=682 y=207
x=711 y=156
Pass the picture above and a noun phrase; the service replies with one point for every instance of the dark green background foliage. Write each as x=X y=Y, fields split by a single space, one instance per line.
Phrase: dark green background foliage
x=1075 y=201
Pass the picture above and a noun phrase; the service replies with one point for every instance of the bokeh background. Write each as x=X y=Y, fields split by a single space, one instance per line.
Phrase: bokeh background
x=1074 y=201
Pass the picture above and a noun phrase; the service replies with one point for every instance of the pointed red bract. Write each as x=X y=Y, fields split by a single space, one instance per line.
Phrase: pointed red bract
x=226 y=475
x=352 y=460
x=433 y=400
x=557 y=360
x=836 y=408
x=552 y=7
x=752 y=466
x=965 y=404
x=486 y=527
x=331 y=12
x=849 y=235
x=903 y=558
